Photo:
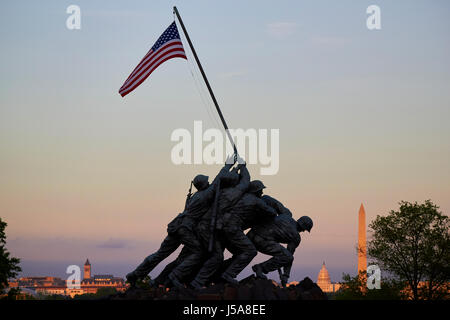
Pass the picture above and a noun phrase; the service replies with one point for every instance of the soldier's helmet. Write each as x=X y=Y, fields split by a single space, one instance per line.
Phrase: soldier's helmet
x=230 y=179
x=255 y=186
x=200 y=181
x=305 y=223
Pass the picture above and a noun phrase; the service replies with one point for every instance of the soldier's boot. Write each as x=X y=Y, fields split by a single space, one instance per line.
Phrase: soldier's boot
x=229 y=279
x=196 y=285
x=259 y=271
x=175 y=281
x=132 y=278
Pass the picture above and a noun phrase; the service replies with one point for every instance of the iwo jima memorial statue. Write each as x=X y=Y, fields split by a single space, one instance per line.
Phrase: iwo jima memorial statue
x=217 y=214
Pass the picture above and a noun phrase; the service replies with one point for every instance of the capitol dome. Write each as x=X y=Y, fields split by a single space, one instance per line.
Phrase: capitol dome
x=323 y=279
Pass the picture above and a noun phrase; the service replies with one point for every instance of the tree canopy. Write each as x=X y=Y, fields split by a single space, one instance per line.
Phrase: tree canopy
x=9 y=266
x=413 y=244
x=355 y=288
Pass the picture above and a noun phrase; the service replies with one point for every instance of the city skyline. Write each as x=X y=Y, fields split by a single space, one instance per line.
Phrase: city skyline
x=361 y=264
x=362 y=116
x=87 y=283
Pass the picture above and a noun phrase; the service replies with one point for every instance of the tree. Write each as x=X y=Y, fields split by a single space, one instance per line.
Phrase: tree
x=55 y=297
x=355 y=288
x=101 y=293
x=413 y=244
x=9 y=266
x=105 y=291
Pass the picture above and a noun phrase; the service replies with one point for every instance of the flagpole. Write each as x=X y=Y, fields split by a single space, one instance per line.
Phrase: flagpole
x=175 y=10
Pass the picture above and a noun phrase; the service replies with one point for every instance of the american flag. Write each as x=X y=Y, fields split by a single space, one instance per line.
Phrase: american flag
x=167 y=47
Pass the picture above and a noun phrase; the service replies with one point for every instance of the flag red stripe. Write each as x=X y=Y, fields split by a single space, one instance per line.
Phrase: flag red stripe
x=149 y=56
x=136 y=83
x=168 y=46
x=157 y=55
x=137 y=67
x=128 y=90
x=151 y=63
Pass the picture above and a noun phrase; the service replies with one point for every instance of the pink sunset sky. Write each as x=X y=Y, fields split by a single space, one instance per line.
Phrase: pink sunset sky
x=363 y=118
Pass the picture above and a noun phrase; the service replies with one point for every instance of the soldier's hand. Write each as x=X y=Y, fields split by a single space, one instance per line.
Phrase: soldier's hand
x=230 y=160
x=241 y=161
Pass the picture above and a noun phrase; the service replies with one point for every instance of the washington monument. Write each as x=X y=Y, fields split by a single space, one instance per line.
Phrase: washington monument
x=362 y=257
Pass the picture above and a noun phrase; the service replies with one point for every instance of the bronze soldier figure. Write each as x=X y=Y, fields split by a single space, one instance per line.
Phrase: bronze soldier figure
x=180 y=231
x=250 y=210
x=233 y=187
x=267 y=238
x=238 y=211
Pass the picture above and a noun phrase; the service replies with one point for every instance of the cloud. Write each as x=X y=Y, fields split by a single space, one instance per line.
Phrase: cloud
x=113 y=244
x=281 y=29
x=78 y=249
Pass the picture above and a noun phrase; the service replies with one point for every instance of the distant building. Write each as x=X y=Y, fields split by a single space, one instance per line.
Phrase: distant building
x=54 y=285
x=36 y=285
x=92 y=284
x=362 y=252
x=34 y=282
x=87 y=269
x=323 y=279
x=324 y=282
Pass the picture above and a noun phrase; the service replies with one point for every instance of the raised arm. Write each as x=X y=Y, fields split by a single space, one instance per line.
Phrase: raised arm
x=226 y=168
x=277 y=205
x=209 y=192
x=244 y=181
x=265 y=209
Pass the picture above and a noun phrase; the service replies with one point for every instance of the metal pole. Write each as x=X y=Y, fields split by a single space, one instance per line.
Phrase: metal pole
x=175 y=10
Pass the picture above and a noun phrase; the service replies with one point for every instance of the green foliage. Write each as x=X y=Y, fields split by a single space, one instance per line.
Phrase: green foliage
x=413 y=244
x=85 y=296
x=12 y=294
x=55 y=297
x=355 y=288
x=101 y=292
x=9 y=266
x=105 y=291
